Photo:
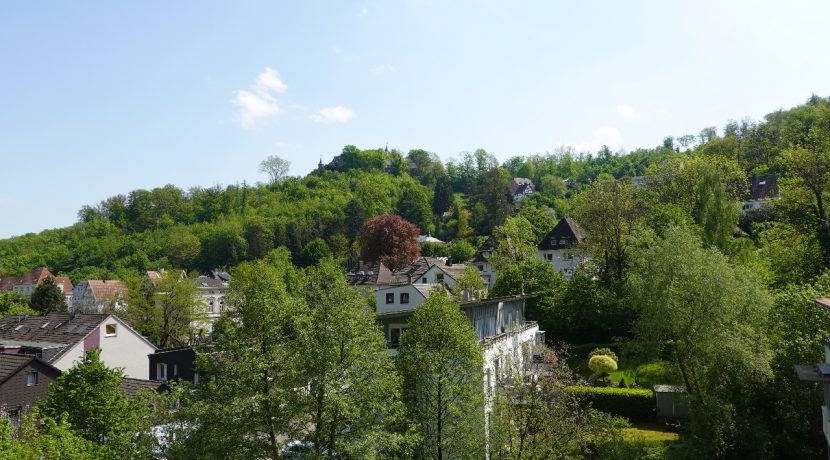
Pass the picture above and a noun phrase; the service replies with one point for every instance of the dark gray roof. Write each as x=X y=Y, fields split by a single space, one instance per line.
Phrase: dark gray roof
x=131 y=387
x=361 y=272
x=566 y=234
x=488 y=245
x=11 y=363
x=412 y=272
x=48 y=331
x=763 y=187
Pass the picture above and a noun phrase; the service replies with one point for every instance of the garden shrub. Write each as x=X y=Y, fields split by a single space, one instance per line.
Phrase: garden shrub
x=635 y=404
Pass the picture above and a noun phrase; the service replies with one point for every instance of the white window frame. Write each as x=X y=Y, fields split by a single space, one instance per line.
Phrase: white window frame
x=161 y=368
x=107 y=332
x=32 y=375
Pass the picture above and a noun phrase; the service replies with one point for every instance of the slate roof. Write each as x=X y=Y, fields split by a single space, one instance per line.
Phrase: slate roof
x=11 y=363
x=35 y=276
x=414 y=271
x=566 y=229
x=518 y=182
x=54 y=328
x=362 y=273
x=524 y=189
x=131 y=387
x=763 y=187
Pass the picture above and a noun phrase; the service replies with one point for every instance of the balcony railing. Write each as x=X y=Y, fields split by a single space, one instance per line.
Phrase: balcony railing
x=504 y=335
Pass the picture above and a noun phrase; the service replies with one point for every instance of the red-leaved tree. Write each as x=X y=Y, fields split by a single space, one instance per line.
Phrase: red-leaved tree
x=390 y=239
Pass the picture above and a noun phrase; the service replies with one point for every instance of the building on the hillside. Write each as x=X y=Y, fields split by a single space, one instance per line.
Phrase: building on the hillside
x=559 y=247
x=99 y=296
x=480 y=262
x=24 y=380
x=762 y=190
x=213 y=288
x=174 y=364
x=61 y=339
x=428 y=239
x=520 y=187
x=820 y=373
x=506 y=337
x=28 y=282
x=411 y=284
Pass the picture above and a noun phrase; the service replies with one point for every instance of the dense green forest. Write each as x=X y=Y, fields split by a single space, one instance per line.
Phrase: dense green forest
x=319 y=214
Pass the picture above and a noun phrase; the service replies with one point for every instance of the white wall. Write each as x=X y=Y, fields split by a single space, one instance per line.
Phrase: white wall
x=415 y=299
x=560 y=260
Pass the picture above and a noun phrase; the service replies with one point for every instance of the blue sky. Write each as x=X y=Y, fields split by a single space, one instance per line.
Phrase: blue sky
x=99 y=98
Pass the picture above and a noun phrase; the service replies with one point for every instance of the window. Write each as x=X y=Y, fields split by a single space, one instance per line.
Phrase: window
x=439 y=278
x=110 y=330
x=14 y=417
x=31 y=379
x=175 y=370
x=395 y=333
x=481 y=268
x=404 y=297
x=221 y=305
x=161 y=371
x=549 y=257
x=195 y=378
x=569 y=256
x=390 y=297
x=424 y=280
x=210 y=306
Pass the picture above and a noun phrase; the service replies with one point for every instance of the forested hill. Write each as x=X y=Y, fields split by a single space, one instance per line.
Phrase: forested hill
x=319 y=214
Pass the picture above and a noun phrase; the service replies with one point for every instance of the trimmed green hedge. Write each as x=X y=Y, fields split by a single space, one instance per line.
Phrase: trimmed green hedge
x=635 y=404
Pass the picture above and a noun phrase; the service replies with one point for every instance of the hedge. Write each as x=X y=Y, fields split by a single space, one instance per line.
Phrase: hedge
x=635 y=404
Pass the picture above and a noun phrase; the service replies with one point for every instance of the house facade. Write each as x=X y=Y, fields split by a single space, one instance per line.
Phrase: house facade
x=99 y=296
x=480 y=262
x=24 y=380
x=28 y=282
x=173 y=364
x=62 y=339
x=559 y=247
x=762 y=190
x=520 y=187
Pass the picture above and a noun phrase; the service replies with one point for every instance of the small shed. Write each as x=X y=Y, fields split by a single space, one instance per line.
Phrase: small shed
x=671 y=402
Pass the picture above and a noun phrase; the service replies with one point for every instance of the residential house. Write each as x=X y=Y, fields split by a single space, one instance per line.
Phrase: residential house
x=410 y=285
x=762 y=190
x=172 y=364
x=559 y=247
x=428 y=239
x=28 y=282
x=520 y=187
x=212 y=289
x=24 y=379
x=99 y=296
x=480 y=262
x=506 y=337
x=61 y=339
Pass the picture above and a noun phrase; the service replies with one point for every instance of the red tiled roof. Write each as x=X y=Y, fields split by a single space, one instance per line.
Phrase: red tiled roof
x=66 y=283
x=107 y=290
x=35 y=276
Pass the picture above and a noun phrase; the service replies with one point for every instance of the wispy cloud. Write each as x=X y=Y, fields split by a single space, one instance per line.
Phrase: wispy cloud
x=607 y=135
x=627 y=111
x=337 y=114
x=259 y=100
x=383 y=68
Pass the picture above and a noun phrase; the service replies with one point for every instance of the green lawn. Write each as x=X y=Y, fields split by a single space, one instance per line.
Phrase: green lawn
x=649 y=432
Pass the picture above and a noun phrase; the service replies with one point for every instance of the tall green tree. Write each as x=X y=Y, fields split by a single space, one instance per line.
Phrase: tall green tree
x=48 y=298
x=89 y=396
x=250 y=402
x=515 y=242
x=709 y=316
x=168 y=310
x=354 y=401
x=441 y=362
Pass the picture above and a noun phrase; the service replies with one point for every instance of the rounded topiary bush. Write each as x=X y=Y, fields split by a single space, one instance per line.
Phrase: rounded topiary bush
x=602 y=364
x=603 y=352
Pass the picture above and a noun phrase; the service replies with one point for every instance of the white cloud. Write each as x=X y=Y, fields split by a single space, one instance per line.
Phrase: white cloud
x=364 y=12
x=259 y=102
x=610 y=136
x=337 y=114
x=383 y=68
x=627 y=111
